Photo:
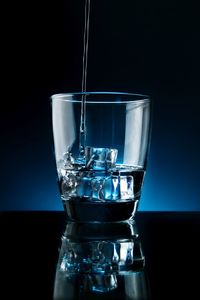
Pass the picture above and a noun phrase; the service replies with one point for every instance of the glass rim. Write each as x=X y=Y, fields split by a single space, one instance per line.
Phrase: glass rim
x=124 y=98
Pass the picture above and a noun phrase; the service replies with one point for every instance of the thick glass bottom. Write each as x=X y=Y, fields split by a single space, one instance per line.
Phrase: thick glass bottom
x=87 y=211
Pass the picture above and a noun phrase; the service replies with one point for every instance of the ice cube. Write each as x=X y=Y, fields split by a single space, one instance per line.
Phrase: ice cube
x=84 y=188
x=65 y=163
x=68 y=158
x=97 y=184
x=61 y=168
x=110 y=188
x=106 y=188
x=117 y=188
x=100 y=158
x=69 y=183
x=126 y=187
x=111 y=157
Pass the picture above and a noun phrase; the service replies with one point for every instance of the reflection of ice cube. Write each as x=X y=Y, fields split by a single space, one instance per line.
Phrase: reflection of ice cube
x=102 y=283
x=100 y=158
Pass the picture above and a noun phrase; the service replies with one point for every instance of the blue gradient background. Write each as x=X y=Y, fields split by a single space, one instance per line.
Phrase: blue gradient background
x=149 y=47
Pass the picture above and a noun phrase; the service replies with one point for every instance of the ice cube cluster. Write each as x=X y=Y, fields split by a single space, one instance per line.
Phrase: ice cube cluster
x=103 y=257
x=94 y=177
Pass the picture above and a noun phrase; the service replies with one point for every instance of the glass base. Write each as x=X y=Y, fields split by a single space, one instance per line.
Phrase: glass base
x=100 y=211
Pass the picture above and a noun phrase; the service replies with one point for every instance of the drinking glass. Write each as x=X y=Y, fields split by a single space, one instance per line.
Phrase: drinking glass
x=100 y=174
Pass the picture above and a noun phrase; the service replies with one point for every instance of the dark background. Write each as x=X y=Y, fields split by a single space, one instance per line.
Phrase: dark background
x=149 y=47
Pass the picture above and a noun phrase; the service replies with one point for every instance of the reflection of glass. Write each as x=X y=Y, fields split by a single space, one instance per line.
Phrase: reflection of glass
x=101 y=261
x=101 y=173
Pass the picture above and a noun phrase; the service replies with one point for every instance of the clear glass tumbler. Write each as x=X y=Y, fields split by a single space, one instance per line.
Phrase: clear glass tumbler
x=100 y=176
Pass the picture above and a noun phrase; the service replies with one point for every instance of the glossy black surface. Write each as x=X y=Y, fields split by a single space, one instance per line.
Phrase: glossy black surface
x=30 y=242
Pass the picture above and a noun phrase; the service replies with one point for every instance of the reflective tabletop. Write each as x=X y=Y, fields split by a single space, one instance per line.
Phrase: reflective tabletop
x=44 y=256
